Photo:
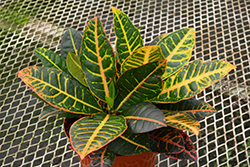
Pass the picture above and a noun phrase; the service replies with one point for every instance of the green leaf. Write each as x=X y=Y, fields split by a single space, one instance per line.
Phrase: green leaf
x=97 y=59
x=49 y=111
x=51 y=59
x=104 y=158
x=74 y=67
x=138 y=28
x=139 y=84
x=158 y=39
x=39 y=98
x=112 y=90
x=128 y=36
x=192 y=80
x=142 y=56
x=110 y=100
x=182 y=121
x=177 y=48
x=59 y=90
x=189 y=153
x=144 y=117
x=197 y=109
x=71 y=42
x=46 y=112
x=166 y=140
x=92 y=133
x=130 y=144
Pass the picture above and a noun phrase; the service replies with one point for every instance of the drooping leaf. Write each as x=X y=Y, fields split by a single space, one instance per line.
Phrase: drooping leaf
x=166 y=140
x=197 y=109
x=92 y=133
x=144 y=117
x=97 y=59
x=142 y=56
x=182 y=121
x=130 y=144
x=51 y=59
x=158 y=39
x=71 y=42
x=192 y=80
x=74 y=67
x=189 y=153
x=49 y=111
x=128 y=36
x=59 y=90
x=103 y=159
x=177 y=49
x=139 y=84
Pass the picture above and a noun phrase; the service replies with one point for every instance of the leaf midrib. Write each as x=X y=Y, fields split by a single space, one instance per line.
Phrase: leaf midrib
x=134 y=143
x=100 y=62
x=72 y=41
x=76 y=99
x=178 y=45
x=85 y=150
x=124 y=32
x=47 y=58
x=172 y=119
x=194 y=78
x=130 y=94
x=169 y=141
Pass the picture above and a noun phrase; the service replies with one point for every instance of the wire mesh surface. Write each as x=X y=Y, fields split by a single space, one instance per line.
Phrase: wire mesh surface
x=222 y=32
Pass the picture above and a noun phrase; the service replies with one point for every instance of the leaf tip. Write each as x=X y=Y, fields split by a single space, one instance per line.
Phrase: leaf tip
x=20 y=73
x=233 y=66
x=113 y=8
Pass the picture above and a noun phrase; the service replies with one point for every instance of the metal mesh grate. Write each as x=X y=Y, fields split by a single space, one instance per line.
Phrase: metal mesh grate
x=222 y=32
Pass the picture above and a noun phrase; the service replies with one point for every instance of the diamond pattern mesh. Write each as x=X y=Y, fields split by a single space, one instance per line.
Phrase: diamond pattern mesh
x=222 y=32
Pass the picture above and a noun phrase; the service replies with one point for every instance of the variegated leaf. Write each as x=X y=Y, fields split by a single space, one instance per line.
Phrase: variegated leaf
x=144 y=117
x=103 y=159
x=158 y=39
x=166 y=140
x=130 y=144
x=59 y=90
x=197 y=109
x=189 y=153
x=97 y=59
x=182 y=121
x=192 y=80
x=75 y=69
x=139 y=84
x=177 y=49
x=49 y=111
x=92 y=133
x=51 y=59
x=71 y=42
x=142 y=56
x=128 y=36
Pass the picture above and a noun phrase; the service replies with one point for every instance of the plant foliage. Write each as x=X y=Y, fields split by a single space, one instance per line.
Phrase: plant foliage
x=136 y=100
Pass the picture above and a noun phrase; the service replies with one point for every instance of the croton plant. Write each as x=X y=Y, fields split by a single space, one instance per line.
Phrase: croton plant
x=137 y=99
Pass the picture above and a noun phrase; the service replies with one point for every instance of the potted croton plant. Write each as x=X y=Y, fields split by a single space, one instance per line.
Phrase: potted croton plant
x=129 y=104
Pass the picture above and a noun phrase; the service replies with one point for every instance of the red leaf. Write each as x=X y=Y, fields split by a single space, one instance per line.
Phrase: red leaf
x=189 y=152
x=166 y=140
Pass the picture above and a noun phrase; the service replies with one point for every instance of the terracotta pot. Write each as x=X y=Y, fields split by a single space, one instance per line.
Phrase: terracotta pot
x=146 y=159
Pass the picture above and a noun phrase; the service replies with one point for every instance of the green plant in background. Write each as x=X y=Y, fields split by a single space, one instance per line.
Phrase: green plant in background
x=137 y=101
